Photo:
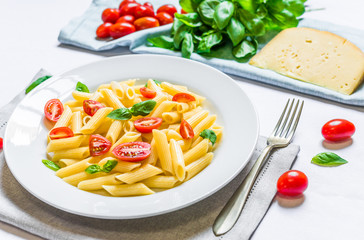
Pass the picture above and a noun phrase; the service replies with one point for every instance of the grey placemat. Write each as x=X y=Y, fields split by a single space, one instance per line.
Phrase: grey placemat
x=19 y=208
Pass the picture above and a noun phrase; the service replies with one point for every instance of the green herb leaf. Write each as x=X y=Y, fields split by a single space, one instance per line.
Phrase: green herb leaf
x=179 y=36
x=109 y=165
x=36 y=83
x=249 y=5
x=296 y=7
x=190 y=19
x=245 y=48
x=223 y=13
x=162 y=42
x=209 y=134
x=120 y=114
x=143 y=108
x=51 y=165
x=94 y=168
x=285 y=19
x=254 y=25
x=189 y=5
x=187 y=46
x=236 y=31
x=207 y=42
x=82 y=87
x=207 y=9
x=328 y=159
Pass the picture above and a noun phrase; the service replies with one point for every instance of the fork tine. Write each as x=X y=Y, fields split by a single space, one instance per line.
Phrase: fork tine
x=293 y=130
x=275 y=130
x=280 y=132
x=285 y=133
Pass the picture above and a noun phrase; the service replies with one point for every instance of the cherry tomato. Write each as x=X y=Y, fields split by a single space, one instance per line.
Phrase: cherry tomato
x=338 y=130
x=125 y=2
x=146 y=22
x=119 y=30
x=143 y=11
x=110 y=15
x=164 y=18
x=127 y=18
x=1 y=143
x=53 y=110
x=129 y=9
x=98 y=145
x=90 y=107
x=148 y=93
x=292 y=183
x=132 y=151
x=148 y=4
x=183 y=97
x=103 y=31
x=147 y=124
x=60 y=132
x=186 y=130
x=168 y=8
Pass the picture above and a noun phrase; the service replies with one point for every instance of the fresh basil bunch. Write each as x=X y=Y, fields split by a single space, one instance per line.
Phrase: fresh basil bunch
x=212 y=23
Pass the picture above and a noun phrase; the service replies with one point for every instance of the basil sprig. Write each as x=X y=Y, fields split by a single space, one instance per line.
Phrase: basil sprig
x=82 y=87
x=51 y=165
x=209 y=134
x=36 y=83
x=138 y=109
x=328 y=159
x=108 y=166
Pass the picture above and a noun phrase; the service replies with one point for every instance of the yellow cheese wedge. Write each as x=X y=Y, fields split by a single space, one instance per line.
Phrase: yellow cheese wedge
x=314 y=56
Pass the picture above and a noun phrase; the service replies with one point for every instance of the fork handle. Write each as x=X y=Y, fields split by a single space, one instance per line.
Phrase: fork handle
x=231 y=212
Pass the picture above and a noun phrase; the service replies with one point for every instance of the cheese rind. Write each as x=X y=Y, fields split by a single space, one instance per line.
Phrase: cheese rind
x=314 y=56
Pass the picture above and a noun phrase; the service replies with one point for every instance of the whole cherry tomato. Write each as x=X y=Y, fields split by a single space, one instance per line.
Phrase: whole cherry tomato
x=60 y=132
x=143 y=11
x=125 y=2
x=338 y=130
x=53 y=110
x=1 y=143
x=127 y=18
x=132 y=151
x=110 y=15
x=146 y=22
x=168 y=8
x=186 y=130
x=129 y=9
x=292 y=183
x=98 y=145
x=103 y=31
x=148 y=4
x=147 y=124
x=148 y=93
x=164 y=18
x=90 y=107
x=183 y=97
x=119 y=30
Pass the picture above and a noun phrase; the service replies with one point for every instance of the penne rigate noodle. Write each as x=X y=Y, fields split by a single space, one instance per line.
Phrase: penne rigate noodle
x=177 y=160
x=121 y=166
x=114 y=131
x=153 y=157
x=192 y=112
x=165 y=106
x=96 y=120
x=74 y=153
x=182 y=107
x=163 y=151
x=160 y=181
x=76 y=122
x=96 y=183
x=81 y=96
x=73 y=103
x=111 y=99
x=125 y=190
x=127 y=137
x=75 y=179
x=204 y=124
x=172 y=134
x=65 y=118
x=139 y=174
x=74 y=168
x=198 y=165
x=196 y=152
x=65 y=143
x=118 y=90
x=67 y=162
x=171 y=117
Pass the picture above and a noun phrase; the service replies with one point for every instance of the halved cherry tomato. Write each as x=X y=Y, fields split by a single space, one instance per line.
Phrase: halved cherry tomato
x=168 y=8
x=1 y=143
x=183 y=97
x=147 y=124
x=338 y=130
x=132 y=151
x=119 y=30
x=292 y=183
x=148 y=4
x=146 y=22
x=103 y=31
x=164 y=18
x=186 y=130
x=98 y=145
x=125 y=2
x=60 y=132
x=53 y=110
x=127 y=18
x=148 y=93
x=110 y=15
x=90 y=107
x=143 y=11
x=128 y=9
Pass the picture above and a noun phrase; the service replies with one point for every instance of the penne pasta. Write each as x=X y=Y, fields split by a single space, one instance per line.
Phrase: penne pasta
x=139 y=174
x=125 y=190
x=177 y=160
x=163 y=151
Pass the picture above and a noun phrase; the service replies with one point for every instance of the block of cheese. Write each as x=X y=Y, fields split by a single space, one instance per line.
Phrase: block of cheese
x=314 y=56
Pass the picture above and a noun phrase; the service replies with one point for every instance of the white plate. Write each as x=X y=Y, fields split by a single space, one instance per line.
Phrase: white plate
x=25 y=137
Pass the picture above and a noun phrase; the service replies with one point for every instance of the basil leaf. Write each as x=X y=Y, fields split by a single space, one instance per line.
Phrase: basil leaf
x=207 y=42
x=188 y=5
x=209 y=134
x=207 y=9
x=285 y=19
x=82 y=87
x=187 y=46
x=223 y=12
x=162 y=42
x=36 y=83
x=51 y=165
x=275 y=6
x=328 y=159
x=249 y=5
x=109 y=165
x=180 y=35
x=236 y=31
x=253 y=24
x=143 y=108
x=93 y=169
x=296 y=7
x=190 y=19
x=120 y=114
x=245 y=48
x=176 y=25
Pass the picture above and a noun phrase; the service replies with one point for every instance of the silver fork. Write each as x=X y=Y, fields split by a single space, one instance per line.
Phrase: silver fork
x=280 y=137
